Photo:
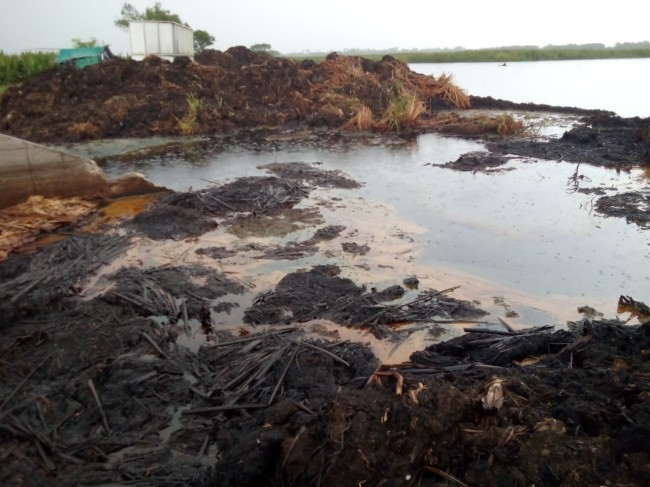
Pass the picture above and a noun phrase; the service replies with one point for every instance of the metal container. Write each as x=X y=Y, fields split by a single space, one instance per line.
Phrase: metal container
x=166 y=40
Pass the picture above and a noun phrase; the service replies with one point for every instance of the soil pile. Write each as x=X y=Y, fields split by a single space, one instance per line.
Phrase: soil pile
x=579 y=415
x=321 y=293
x=601 y=140
x=220 y=91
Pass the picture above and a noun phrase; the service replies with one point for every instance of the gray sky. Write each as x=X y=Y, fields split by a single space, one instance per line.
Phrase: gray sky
x=329 y=25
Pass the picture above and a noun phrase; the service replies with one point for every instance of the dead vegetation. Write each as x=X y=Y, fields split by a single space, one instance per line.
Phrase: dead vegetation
x=499 y=126
x=221 y=91
x=23 y=223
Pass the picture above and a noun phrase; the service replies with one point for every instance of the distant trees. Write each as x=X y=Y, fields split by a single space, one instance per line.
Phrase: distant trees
x=264 y=47
x=261 y=47
x=129 y=12
x=202 y=38
x=78 y=43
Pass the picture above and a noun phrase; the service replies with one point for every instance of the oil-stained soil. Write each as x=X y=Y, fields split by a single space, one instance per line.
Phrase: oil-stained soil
x=322 y=293
x=633 y=206
x=102 y=389
x=602 y=140
x=477 y=161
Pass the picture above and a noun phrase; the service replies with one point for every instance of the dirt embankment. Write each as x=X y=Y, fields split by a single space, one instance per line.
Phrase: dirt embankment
x=219 y=92
x=239 y=89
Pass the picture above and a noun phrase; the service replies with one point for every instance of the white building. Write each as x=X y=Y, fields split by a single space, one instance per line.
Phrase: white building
x=166 y=40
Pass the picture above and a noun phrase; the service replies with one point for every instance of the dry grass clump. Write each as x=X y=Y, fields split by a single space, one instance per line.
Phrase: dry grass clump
x=403 y=111
x=341 y=70
x=479 y=125
x=451 y=93
x=382 y=95
x=362 y=120
x=504 y=125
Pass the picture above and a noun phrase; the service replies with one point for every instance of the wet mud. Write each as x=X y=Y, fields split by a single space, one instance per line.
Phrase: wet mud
x=477 y=161
x=633 y=206
x=98 y=385
x=99 y=388
x=608 y=141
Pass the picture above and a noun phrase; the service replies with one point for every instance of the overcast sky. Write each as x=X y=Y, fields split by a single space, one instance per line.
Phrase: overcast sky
x=330 y=25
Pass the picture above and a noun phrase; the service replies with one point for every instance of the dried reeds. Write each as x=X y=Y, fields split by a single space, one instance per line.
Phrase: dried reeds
x=403 y=111
x=362 y=119
x=504 y=125
x=451 y=93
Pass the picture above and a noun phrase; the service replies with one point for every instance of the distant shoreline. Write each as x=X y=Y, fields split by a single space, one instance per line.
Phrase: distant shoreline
x=501 y=55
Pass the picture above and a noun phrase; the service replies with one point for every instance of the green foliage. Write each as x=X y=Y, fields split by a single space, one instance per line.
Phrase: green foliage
x=79 y=43
x=129 y=12
x=202 y=39
x=16 y=67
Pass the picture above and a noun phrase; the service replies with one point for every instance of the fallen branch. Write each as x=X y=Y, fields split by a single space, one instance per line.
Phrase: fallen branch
x=253 y=337
x=322 y=350
x=153 y=344
x=99 y=403
x=528 y=331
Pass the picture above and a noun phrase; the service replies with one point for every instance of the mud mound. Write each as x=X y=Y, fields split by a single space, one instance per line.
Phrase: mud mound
x=633 y=206
x=602 y=140
x=170 y=292
x=472 y=425
x=221 y=91
x=260 y=195
x=309 y=173
x=488 y=102
x=321 y=293
x=476 y=161
x=164 y=221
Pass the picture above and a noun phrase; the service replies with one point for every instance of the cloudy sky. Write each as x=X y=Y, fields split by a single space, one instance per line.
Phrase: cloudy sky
x=329 y=25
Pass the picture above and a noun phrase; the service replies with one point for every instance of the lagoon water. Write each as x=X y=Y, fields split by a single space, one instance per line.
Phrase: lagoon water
x=521 y=233
x=618 y=85
x=518 y=235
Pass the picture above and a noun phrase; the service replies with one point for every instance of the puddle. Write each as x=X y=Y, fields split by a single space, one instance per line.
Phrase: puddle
x=128 y=207
x=523 y=237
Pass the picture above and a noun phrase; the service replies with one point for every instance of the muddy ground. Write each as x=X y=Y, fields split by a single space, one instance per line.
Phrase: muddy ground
x=102 y=389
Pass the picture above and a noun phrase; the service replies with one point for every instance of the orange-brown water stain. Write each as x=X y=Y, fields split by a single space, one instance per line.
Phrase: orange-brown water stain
x=118 y=209
x=130 y=206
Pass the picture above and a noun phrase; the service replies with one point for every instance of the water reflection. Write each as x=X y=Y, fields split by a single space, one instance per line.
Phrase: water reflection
x=516 y=234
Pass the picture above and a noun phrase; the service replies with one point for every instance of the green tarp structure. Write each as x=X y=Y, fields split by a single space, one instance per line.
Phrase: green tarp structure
x=83 y=56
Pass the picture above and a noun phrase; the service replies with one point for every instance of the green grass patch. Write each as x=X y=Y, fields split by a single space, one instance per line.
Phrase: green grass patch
x=17 y=67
